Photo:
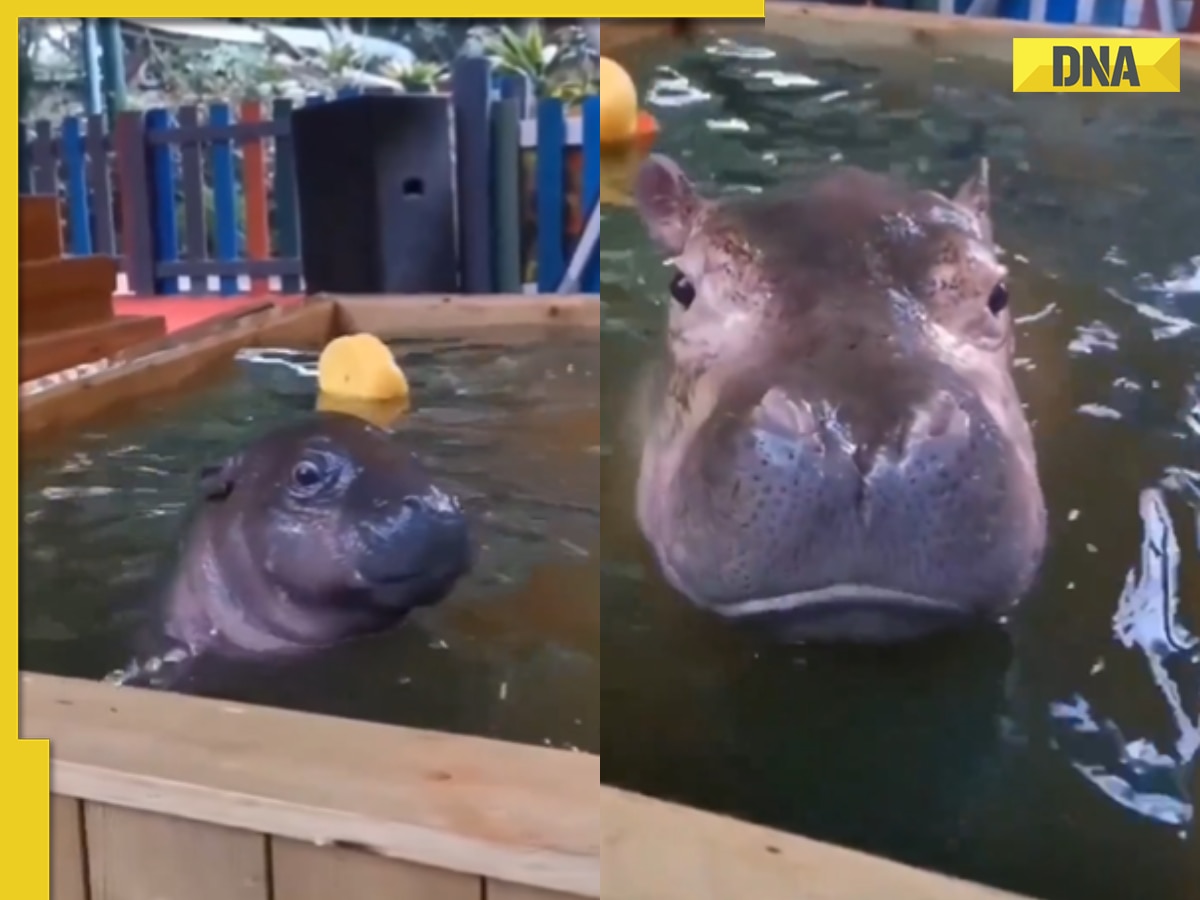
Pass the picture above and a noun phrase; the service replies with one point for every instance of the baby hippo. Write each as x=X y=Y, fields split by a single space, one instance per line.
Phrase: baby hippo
x=318 y=532
x=838 y=451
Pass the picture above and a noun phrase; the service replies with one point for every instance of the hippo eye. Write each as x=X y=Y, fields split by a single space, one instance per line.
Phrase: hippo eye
x=307 y=475
x=998 y=299
x=682 y=290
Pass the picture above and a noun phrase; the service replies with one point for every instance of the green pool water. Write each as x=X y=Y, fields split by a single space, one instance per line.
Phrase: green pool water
x=513 y=653
x=1059 y=759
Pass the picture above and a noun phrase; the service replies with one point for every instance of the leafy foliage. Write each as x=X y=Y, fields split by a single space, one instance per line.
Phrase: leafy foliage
x=555 y=65
x=166 y=70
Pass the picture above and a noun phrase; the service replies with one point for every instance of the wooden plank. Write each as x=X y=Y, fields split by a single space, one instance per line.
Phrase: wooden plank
x=137 y=855
x=100 y=181
x=550 y=168
x=68 y=292
x=137 y=242
x=45 y=280
x=24 y=160
x=238 y=132
x=503 y=890
x=524 y=814
x=59 y=350
x=472 y=91
x=829 y=26
x=45 y=163
x=254 y=188
x=217 y=324
x=258 y=268
x=195 y=230
x=121 y=390
x=224 y=197
x=79 y=216
x=506 y=195
x=166 y=213
x=68 y=859
x=287 y=211
x=303 y=871
x=39 y=229
x=591 y=186
x=413 y=315
x=660 y=851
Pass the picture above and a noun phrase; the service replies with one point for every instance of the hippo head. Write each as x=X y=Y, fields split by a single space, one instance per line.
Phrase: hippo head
x=838 y=450
x=319 y=531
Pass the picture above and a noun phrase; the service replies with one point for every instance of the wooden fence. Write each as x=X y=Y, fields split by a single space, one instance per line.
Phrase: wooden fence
x=200 y=194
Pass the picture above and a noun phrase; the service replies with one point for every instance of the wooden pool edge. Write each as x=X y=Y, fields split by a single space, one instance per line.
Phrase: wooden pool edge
x=830 y=25
x=184 y=360
x=196 y=780
x=656 y=850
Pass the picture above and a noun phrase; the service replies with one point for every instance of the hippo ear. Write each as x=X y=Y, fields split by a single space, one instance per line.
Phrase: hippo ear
x=667 y=201
x=975 y=196
x=217 y=481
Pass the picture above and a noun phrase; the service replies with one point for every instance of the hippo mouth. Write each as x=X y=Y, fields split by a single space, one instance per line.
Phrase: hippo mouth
x=414 y=587
x=859 y=613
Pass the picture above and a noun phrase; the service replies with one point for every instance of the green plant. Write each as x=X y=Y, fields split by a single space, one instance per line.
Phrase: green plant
x=419 y=77
x=573 y=92
x=554 y=66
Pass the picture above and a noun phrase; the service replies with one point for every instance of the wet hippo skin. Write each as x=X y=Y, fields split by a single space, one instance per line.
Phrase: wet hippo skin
x=318 y=532
x=835 y=449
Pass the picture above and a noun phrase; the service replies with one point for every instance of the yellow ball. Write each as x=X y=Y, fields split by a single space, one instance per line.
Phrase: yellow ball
x=618 y=104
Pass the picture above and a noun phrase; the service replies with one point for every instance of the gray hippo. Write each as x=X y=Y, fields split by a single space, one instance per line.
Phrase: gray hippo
x=837 y=450
x=320 y=531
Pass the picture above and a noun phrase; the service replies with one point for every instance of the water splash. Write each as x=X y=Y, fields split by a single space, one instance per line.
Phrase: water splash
x=1183 y=279
x=155 y=671
x=302 y=362
x=1098 y=411
x=672 y=89
x=733 y=50
x=781 y=79
x=1169 y=326
x=1092 y=337
x=1191 y=407
x=728 y=125
x=1137 y=773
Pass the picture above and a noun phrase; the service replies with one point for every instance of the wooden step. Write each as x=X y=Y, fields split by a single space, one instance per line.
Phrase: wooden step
x=44 y=354
x=40 y=229
x=69 y=292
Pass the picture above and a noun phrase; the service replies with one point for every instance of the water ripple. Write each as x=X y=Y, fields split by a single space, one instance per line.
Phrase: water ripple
x=1136 y=772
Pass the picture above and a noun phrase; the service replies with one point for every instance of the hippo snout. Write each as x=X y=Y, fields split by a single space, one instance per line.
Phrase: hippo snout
x=839 y=451
x=414 y=556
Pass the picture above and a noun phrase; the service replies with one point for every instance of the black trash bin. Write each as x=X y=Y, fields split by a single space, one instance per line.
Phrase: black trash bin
x=375 y=187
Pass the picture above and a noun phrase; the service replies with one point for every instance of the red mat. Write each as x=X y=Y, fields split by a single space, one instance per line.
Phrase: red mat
x=180 y=312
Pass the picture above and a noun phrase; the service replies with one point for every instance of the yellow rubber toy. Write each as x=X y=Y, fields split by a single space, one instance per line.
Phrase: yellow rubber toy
x=358 y=375
x=380 y=413
x=618 y=104
x=361 y=367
